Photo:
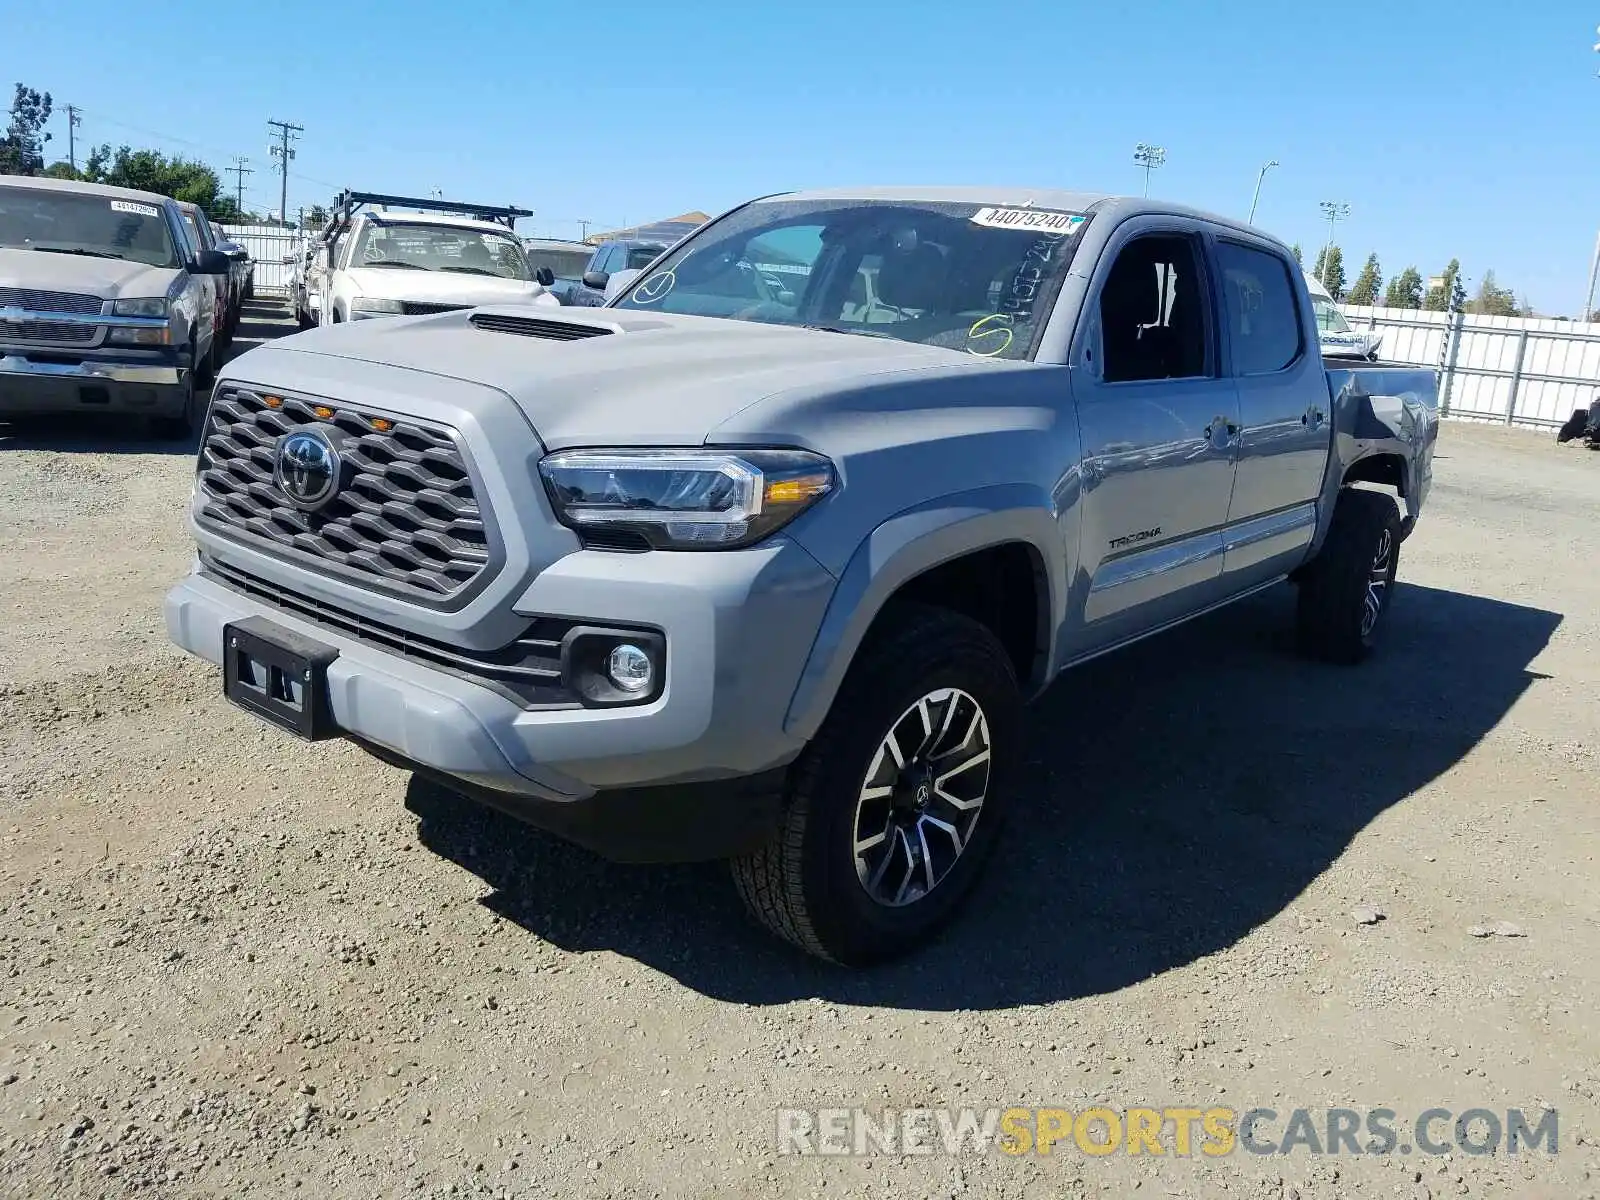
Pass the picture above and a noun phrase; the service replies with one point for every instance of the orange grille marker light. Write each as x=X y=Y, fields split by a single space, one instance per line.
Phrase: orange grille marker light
x=381 y=425
x=272 y=401
x=323 y=413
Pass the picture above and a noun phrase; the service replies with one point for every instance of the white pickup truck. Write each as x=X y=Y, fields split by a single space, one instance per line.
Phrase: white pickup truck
x=1334 y=334
x=373 y=262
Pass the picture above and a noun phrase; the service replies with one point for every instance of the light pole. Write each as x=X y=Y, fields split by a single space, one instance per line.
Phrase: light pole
x=1334 y=210
x=1256 y=199
x=1594 y=270
x=1149 y=157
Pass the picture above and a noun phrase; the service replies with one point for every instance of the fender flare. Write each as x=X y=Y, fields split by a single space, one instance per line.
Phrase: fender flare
x=915 y=541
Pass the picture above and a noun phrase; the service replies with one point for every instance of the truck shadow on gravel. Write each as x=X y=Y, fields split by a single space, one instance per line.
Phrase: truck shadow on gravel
x=1178 y=795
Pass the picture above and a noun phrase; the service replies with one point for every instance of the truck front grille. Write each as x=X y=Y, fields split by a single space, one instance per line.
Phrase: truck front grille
x=58 y=333
x=424 y=308
x=405 y=520
x=49 y=302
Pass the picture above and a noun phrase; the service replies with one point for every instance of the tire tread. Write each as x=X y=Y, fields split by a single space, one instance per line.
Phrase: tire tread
x=771 y=881
x=1327 y=624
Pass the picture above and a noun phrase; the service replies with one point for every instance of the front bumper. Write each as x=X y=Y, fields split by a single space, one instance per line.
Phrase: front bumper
x=738 y=628
x=30 y=384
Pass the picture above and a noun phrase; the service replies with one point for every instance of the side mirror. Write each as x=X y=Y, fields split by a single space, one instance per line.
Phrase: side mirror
x=596 y=280
x=544 y=276
x=621 y=282
x=210 y=262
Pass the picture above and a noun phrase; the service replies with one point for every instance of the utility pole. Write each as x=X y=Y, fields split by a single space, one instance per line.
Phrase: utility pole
x=1334 y=210
x=239 y=171
x=283 y=153
x=1256 y=199
x=73 y=121
x=1149 y=157
x=583 y=226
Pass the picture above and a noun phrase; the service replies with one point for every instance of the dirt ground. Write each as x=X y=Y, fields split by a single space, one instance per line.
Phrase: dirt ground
x=234 y=965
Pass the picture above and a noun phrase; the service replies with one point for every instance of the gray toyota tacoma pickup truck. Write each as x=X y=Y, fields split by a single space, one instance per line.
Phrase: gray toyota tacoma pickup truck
x=705 y=573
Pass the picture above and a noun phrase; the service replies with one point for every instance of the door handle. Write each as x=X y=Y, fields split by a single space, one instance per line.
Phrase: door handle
x=1221 y=431
x=1312 y=417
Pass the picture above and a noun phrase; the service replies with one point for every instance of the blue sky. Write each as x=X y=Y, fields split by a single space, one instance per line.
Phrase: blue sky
x=1459 y=128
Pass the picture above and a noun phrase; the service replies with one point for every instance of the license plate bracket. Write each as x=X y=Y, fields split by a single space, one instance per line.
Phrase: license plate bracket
x=279 y=676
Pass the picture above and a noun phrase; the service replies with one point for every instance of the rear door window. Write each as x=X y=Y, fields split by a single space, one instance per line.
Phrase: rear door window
x=1262 y=315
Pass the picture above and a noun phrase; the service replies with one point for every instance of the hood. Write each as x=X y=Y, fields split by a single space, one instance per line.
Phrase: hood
x=107 y=278
x=443 y=287
x=648 y=379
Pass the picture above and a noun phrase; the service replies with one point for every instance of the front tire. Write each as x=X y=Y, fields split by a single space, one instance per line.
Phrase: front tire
x=1347 y=589
x=895 y=805
x=185 y=426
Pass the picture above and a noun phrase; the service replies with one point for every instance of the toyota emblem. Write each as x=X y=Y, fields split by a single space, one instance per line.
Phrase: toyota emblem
x=306 y=469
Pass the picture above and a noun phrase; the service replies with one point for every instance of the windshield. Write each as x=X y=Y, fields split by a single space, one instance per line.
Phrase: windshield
x=75 y=223
x=440 y=248
x=962 y=276
x=566 y=264
x=640 y=257
x=1329 y=318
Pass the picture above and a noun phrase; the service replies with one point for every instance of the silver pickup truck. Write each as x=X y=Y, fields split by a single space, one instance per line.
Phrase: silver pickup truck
x=106 y=305
x=713 y=572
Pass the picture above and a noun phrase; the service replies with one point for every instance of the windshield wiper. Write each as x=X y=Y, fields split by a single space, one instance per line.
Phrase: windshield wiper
x=74 y=250
x=473 y=271
x=403 y=266
x=859 y=332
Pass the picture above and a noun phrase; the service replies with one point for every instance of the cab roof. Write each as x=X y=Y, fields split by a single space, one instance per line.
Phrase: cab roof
x=447 y=220
x=79 y=187
x=1058 y=199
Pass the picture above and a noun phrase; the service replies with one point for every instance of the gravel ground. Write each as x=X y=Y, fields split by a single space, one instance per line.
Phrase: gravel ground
x=233 y=965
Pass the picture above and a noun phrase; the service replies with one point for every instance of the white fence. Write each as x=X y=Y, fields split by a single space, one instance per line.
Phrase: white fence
x=1518 y=370
x=269 y=245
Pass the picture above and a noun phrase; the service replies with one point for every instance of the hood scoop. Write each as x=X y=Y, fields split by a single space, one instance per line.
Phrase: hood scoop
x=540 y=327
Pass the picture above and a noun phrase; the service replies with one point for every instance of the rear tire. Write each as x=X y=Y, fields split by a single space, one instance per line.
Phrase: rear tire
x=871 y=858
x=1346 y=591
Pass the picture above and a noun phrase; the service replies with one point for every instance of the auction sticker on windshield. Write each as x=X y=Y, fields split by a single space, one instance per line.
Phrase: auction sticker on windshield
x=143 y=210
x=1042 y=220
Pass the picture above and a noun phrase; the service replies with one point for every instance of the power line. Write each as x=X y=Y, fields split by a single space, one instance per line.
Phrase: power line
x=283 y=153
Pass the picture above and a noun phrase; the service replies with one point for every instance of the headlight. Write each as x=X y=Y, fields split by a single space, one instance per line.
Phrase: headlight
x=372 y=304
x=152 y=306
x=685 y=499
x=159 y=335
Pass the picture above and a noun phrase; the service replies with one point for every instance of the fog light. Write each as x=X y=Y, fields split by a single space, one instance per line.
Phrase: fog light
x=630 y=668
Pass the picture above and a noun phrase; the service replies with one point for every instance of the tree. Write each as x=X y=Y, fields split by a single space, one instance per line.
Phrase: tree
x=151 y=171
x=62 y=170
x=1405 y=290
x=316 y=217
x=1493 y=300
x=1367 y=283
x=1299 y=260
x=1440 y=298
x=226 y=211
x=22 y=148
x=1330 y=271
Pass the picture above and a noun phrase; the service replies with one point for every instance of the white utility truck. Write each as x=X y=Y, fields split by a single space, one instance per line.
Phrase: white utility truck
x=430 y=256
